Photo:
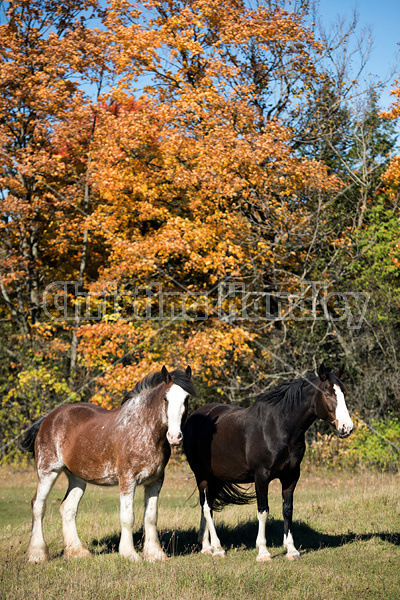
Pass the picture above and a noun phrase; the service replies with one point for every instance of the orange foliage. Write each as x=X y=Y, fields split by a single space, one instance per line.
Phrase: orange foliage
x=392 y=175
x=183 y=172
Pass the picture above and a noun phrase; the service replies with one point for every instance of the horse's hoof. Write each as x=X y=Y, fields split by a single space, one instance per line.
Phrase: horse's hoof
x=293 y=556
x=207 y=551
x=133 y=557
x=264 y=558
x=155 y=556
x=80 y=552
x=38 y=555
x=219 y=554
x=36 y=559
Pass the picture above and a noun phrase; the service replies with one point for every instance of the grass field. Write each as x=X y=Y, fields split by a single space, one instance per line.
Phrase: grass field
x=347 y=528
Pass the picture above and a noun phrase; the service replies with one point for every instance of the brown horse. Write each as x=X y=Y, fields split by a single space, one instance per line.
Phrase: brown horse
x=128 y=446
x=226 y=445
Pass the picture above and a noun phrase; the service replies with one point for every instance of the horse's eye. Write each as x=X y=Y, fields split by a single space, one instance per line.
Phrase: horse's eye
x=165 y=399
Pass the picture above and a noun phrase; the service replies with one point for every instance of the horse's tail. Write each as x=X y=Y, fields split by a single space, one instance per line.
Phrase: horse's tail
x=27 y=441
x=232 y=494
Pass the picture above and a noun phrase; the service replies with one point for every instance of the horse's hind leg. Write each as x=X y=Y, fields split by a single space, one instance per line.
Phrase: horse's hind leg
x=206 y=501
x=37 y=549
x=152 y=549
x=68 y=509
x=261 y=484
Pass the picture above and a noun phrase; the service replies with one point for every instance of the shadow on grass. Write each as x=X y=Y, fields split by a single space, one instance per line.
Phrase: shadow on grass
x=243 y=536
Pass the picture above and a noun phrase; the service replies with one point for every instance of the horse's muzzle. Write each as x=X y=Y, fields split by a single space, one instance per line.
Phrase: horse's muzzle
x=345 y=431
x=174 y=439
x=343 y=428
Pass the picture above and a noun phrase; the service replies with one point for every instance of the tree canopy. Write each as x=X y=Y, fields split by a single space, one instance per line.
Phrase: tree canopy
x=186 y=181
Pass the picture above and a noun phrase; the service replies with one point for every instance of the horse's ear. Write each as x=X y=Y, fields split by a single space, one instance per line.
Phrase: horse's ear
x=188 y=372
x=322 y=372
x=165 y=375
x=340 y=372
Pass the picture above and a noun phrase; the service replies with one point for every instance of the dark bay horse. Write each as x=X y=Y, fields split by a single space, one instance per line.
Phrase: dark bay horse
x=228 y=445
x=128 y=446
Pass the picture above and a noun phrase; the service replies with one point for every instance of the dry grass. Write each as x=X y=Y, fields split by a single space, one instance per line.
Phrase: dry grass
x=347 y=528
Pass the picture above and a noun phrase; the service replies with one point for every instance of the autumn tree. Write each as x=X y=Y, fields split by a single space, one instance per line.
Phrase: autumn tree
x=392 y=176
x=198 y=181
x=202 y=182
x=46 y=53
x=375 y=351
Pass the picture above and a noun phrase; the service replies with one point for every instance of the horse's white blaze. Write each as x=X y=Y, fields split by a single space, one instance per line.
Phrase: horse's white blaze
x=176 y=397
x=344 y=422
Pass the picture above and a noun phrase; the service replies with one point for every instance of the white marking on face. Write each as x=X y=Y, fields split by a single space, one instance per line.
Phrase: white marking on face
x=176 y=397
x=343 y=420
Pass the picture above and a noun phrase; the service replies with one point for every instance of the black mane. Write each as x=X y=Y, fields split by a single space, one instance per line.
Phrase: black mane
x=154 y=379
x=287 y=394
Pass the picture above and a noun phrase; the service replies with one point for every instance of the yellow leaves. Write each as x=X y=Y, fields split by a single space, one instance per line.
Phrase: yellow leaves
x=206 y=43
x=106 y=340
x=173 y=190
x=394 y=109
x=193 y=182
x=392 y=175
x=209 y=350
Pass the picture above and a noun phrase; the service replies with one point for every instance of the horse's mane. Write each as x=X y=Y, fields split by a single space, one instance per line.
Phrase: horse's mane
x=154 y=379
x=287 y=394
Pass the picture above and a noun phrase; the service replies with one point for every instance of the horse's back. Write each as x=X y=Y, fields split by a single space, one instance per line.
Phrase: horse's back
x=202 y=422
x=214 y=441
x=73 y=436
x=70 y=418
x=213 y=410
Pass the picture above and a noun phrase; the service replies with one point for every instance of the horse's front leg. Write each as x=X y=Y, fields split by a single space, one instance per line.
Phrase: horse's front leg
x=152 y=549
x=204 y=536
x=261 y=485
x=127 y=493
x=288 y=487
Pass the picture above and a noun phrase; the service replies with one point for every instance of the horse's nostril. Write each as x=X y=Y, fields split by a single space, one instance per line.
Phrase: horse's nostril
x=174 y=439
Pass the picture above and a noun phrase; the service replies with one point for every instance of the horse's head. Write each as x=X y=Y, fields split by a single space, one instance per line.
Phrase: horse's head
x=331 y=404
x=178 y=389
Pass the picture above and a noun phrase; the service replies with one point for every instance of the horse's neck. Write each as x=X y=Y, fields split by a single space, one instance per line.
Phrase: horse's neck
x=295 y=423
x=303 y=414
x=143 y=412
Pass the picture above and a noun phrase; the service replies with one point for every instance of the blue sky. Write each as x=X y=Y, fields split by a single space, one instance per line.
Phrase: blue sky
x=383 y=17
